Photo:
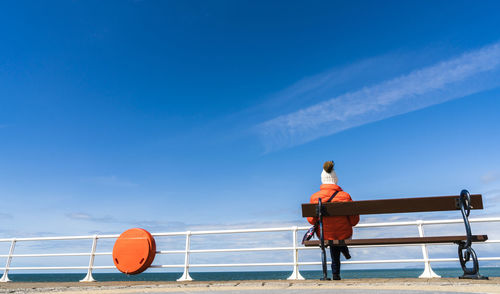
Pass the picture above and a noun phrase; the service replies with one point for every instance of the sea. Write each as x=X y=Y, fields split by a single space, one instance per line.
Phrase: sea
x=256 y=275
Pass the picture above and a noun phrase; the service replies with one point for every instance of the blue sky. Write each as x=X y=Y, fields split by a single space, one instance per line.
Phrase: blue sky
x=181 y=115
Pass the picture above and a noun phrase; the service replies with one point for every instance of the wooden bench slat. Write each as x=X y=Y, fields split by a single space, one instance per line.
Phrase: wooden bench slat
x=407 y=240
x=401 y=205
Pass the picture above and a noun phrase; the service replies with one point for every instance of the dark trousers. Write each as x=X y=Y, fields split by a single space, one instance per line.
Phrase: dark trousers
x=335 y=254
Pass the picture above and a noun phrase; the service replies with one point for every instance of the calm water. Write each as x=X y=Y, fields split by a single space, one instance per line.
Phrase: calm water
x=227 y=276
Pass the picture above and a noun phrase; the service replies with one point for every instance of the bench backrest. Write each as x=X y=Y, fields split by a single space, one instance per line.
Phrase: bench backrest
x=401 y=205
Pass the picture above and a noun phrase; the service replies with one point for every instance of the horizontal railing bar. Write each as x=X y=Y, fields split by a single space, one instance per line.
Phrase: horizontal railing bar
x=387 y=224
x=47 y=267
x=383 y=261
x=456 y=259
x=362 y=225
x=50 y=254
x=318 y=263
x=315 y=262
x=427 y=222
x=60 y=238
x=383 y=245
x=392 y=245
x=169 y=234
x=347 y=262
x=458 y=221
x=114 y=236
x=242 y=231
x=311 y=248
x=171 y=252
x=55 y=254
x=240 y=250
x=367 y=261
x=399 y=261
x=258 y=264
x=47 y=238
x=488 y=258
x=167 y=266
x=300 y=248
x=242 y=264
x=102 y=267
x=225 y=250
x=284 y=248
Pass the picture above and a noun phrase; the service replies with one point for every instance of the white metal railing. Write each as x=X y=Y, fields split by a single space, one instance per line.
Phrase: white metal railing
x=428 y=272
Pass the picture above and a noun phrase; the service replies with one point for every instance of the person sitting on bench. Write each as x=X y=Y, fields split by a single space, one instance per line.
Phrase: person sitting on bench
x=335 y=227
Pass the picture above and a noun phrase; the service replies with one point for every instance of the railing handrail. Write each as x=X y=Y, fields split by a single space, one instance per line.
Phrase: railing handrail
x=263 y=230
x=294 y=229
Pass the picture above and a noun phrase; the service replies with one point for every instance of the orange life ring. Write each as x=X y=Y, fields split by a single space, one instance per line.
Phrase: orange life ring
x=134 y=251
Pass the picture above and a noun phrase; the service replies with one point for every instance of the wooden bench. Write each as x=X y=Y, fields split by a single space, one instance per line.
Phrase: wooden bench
x=463 y=202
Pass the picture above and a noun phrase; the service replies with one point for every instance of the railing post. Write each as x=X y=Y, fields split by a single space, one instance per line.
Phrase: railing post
x=185 y=276
x=428 y=272
x=88 y=277
x=295 y=274
x=5 y=277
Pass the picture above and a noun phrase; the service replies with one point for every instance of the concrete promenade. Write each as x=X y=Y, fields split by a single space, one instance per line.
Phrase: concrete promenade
x=382 y=286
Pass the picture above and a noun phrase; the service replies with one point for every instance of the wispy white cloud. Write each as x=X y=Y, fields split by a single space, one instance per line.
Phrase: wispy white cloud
x=90 y=218
x=467 y=74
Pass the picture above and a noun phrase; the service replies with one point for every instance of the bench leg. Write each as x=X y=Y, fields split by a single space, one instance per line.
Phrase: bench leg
x=465 y=251
x=464 y=255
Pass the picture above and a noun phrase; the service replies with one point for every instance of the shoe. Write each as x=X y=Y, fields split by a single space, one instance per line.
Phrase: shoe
x=345 y=252
x=325 y=279
x=336 y=277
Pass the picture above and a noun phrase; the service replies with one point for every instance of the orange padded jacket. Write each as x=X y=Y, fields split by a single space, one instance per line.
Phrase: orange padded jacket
x=335 y=227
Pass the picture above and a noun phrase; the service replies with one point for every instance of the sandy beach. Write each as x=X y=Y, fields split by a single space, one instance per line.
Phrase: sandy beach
x=443 y=285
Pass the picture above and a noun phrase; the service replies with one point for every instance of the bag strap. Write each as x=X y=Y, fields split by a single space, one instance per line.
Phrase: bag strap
x=330 y=199
x=333 y=196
